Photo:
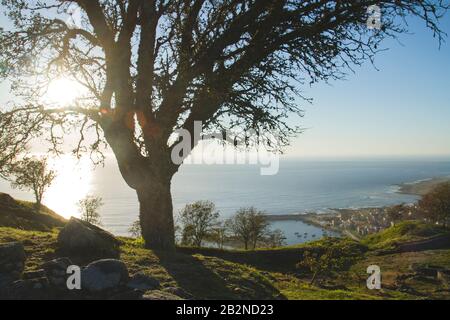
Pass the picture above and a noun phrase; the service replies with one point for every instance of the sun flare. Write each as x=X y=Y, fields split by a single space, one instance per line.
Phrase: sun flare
x=72 y=184
x=63 y=91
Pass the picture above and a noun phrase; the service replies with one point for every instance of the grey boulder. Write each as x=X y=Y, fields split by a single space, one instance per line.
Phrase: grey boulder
x=12 y=258
x=12 y=263
x=102 y=275
x=56 y=271
x=80 y=237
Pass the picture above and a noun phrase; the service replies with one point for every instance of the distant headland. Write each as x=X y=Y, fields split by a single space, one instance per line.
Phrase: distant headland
x=421 y=187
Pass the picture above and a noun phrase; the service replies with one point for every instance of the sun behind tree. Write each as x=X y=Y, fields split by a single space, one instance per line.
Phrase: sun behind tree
x=153 y=68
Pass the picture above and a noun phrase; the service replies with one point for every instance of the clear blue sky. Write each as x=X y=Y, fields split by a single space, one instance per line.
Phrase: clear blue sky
x=401 y=110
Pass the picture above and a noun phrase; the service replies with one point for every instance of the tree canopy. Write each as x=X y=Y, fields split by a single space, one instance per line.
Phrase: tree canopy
x=159 y=65
x=148 y=68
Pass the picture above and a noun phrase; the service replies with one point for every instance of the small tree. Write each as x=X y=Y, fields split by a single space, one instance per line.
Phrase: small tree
x=318 y=264
x=275 y=238
x=33 y=174
x=89 y=207
x=135 y=229
x=249 y=226
x=219 y=235
x=436 y=204
x=198 y=220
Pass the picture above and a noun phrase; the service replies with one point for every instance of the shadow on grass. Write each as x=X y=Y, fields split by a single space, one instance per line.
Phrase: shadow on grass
x=212 y=278
x=282 y=260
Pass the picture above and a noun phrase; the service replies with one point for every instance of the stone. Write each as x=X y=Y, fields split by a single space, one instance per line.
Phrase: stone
x=34 y=274
x=83 y=238
x=143 y=282
x=34 y=289
x=12 y=258
x=56 y=271
x=106 y=274
x=160 y=295
x=12 y=263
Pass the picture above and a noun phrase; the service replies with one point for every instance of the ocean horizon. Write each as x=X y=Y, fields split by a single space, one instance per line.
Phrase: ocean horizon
x=301 y=185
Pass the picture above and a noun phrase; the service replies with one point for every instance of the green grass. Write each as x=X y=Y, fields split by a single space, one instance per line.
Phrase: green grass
x=22 y=215
x=39 y=246
x=403 y=232
x=267 y=274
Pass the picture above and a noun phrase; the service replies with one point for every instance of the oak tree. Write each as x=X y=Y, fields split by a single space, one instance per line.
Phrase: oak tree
x=150 y=67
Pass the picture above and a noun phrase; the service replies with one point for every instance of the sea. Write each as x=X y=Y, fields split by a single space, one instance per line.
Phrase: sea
x=300 y=186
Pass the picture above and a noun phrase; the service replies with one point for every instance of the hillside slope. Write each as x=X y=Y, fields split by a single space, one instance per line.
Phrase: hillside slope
x=408 y=233
x=268 y=274
x=21 y=215
x=202 y=273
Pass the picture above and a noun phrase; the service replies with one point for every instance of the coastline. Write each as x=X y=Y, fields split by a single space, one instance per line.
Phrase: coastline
x=357 y=222
x=422 y=187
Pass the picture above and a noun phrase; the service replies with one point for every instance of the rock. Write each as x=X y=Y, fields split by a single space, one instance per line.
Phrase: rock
x=180 y=292
x=58 y=266
x=104 y=275
x=159 y=295
x=12 y=263
x=35 y=289
x=143 y=282
x=12 y=258
x=80 y=237
x=34 y=274
x=56 y=271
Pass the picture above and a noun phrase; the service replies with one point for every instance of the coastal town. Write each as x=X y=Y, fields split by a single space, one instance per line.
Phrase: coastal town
x=359 y=222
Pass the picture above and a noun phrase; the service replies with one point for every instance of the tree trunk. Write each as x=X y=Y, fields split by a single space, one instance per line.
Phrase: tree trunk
x=37 y=206
x=156 y=216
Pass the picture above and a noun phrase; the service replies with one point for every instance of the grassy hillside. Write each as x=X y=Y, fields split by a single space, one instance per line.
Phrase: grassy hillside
x=262 y=274
x=271 y=274
x=21 y=215
x=407 y=231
